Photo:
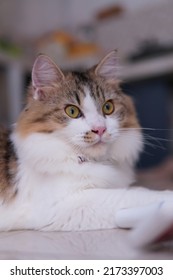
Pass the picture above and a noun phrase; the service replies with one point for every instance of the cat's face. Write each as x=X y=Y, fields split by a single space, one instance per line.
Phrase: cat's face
x=86 y=110
x=96 y=116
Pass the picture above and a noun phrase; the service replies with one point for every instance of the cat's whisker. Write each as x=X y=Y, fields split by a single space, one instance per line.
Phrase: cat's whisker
x=145 y=128
x=147 y=138
x=154 y=146
x=145 y=141
x=158 y=140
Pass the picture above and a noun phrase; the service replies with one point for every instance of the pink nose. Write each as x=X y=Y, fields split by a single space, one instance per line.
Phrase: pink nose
x=99 y=130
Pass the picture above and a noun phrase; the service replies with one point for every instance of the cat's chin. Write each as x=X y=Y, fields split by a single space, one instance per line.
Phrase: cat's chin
x=96 y=151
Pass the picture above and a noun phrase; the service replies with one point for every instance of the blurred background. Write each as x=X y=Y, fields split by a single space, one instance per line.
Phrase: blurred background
x=76 y=34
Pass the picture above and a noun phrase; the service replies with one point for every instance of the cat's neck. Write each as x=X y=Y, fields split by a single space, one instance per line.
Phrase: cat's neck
x=43 y=149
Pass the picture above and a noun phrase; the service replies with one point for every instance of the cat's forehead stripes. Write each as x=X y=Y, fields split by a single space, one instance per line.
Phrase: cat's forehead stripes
x=99 y=92
x=83 y=81
x=77 y=96
x=88 y=103
x=81 y=78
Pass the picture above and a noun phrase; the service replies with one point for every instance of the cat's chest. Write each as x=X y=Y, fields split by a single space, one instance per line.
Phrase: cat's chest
x=72 y=176
x=50 y=166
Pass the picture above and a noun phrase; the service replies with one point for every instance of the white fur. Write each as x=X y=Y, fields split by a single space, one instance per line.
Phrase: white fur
x=57 y=192
x=150 y=222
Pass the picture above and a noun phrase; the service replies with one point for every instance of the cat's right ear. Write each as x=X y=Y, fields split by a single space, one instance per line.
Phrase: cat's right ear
x=45 y=73
x=107 y=67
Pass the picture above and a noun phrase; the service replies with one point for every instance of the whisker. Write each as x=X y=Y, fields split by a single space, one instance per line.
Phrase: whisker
x=157 y=138
x=149 y=137
x=160 y=141
x=154 y=146
x=145 y=128
x=147 y=153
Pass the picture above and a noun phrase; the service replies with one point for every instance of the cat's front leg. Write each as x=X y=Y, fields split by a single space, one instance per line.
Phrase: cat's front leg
x=93 y=209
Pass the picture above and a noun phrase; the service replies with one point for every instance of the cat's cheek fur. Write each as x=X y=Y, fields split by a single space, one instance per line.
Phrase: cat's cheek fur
x=43 y=153
x=75 y=131
x=127 y=147
x=112 y=129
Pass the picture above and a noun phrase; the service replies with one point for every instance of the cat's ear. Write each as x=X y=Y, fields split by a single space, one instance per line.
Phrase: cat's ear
x=107 y=67
x=45 y=73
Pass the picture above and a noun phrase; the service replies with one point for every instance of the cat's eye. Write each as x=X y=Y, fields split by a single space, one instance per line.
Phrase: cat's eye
x=73 y=111
x=108 y=107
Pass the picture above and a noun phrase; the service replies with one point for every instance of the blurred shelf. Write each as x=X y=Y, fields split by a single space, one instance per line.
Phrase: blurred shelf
x=16 y=70
x=147 y=68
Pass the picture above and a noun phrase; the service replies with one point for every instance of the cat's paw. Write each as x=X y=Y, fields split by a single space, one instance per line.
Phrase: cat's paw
x=150 y=225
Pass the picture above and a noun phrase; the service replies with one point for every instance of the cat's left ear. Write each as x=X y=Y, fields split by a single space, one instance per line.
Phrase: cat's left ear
x=107 y=68
x=45 y=73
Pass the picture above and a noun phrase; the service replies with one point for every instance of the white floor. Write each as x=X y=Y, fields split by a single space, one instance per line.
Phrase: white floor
x=105 y=244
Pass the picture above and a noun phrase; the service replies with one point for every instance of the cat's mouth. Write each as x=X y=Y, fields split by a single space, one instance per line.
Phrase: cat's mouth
x=95 y=143
x=100 y=142
x=96 y=148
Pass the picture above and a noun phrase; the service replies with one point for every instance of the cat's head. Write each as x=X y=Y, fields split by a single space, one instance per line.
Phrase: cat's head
x=86 y=110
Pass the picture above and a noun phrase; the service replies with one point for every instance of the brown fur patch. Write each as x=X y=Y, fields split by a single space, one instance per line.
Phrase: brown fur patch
x=127 y=112
x=8 y=166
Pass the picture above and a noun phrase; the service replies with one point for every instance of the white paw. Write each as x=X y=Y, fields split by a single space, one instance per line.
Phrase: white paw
x=150 y=225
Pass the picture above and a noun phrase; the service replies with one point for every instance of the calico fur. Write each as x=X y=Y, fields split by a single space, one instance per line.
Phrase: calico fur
x=8 y=165
x=71 y=174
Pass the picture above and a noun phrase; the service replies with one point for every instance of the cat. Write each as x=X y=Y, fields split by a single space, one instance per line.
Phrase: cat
x=68 y=163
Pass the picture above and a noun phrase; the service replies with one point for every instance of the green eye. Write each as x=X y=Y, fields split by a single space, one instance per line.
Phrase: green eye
x=108 y=108
x=73 y=111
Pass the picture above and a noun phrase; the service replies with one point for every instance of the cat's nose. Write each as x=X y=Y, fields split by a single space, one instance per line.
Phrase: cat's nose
x=99 y=130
